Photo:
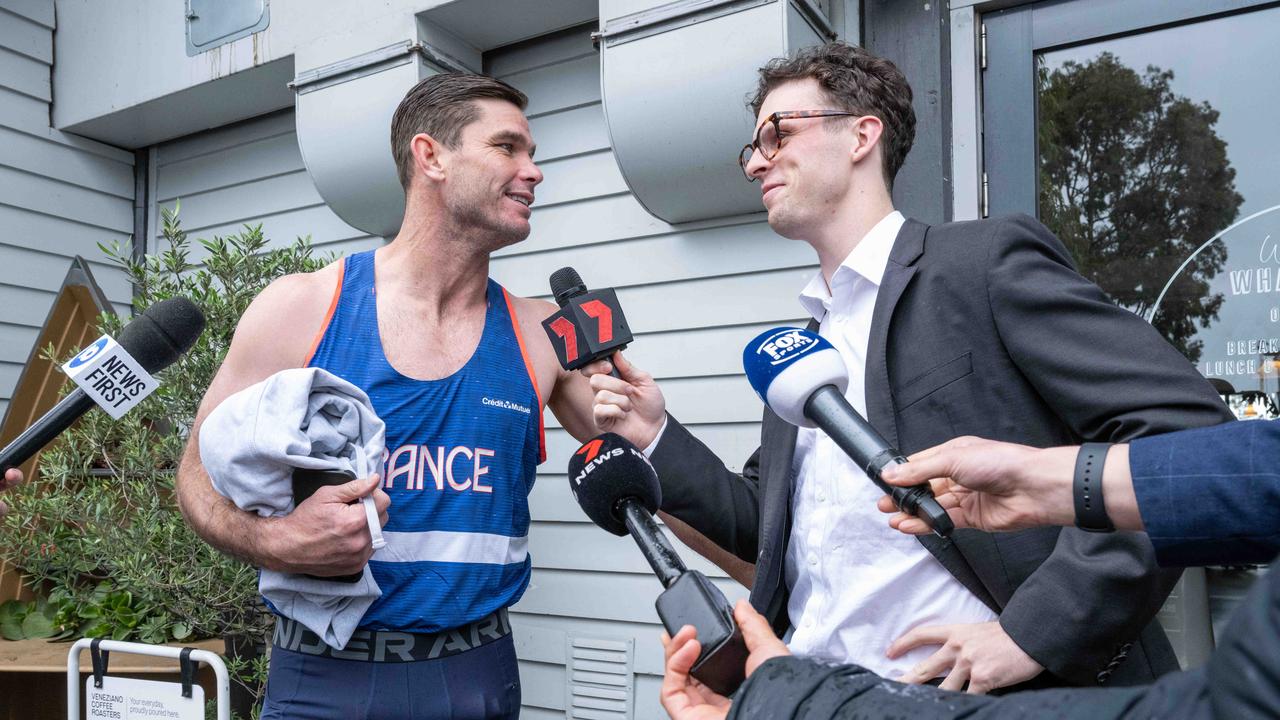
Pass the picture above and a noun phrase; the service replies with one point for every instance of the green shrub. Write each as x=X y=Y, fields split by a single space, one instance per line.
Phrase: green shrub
x=101 y=536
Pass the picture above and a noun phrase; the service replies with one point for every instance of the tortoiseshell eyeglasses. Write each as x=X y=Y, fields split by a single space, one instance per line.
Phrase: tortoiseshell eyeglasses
x=769 y=135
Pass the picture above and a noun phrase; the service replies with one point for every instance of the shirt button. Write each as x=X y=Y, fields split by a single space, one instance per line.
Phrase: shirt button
x=808 y=622
x=822 y=497
x=813 y=559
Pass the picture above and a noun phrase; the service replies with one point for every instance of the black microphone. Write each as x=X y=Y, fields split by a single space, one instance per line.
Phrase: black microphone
x=802 y=378
x=619 y=490
x=589 y=325
x=154 y=339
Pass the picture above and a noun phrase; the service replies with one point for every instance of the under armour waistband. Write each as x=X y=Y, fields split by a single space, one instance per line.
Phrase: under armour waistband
x=392 y=646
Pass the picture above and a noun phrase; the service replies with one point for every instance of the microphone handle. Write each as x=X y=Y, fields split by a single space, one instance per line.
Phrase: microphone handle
x=860 y=441
x=45 y=429
x=653 y=544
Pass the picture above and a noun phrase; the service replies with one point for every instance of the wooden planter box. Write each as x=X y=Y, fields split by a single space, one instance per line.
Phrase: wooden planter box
x=33 y=676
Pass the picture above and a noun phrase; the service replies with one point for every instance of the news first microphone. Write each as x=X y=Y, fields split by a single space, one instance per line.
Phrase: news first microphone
x=116 y=376
x=802 y=378
x=618 y=489
x=589 y=325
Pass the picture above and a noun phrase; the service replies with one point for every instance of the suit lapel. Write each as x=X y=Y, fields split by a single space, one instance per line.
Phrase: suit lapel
x=898 y=273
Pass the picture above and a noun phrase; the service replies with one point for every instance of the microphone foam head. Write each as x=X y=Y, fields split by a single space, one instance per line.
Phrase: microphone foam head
x=162 y=333
x=607 y=470
x=565 y=284
x=786 y=365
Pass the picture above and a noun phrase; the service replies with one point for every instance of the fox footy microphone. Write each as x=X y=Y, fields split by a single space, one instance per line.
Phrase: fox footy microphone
x=589 y=325
x=114 y=375
x=618 y=489
x=802 y=378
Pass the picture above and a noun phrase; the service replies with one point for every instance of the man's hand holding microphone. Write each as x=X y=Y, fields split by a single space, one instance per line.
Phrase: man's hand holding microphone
x=1002 y=487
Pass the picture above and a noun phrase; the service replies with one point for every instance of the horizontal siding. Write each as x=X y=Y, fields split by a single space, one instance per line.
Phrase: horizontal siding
x=26 y=75
x=625 y=597
x=708 y=253
x=56 y=161
x=60 y=195
x=21 y=111
x=37 y=11
x=693 y=295
x=24 y=36
x=248 y=173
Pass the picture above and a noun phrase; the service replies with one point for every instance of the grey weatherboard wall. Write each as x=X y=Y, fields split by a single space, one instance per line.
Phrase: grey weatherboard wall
x=60 y=195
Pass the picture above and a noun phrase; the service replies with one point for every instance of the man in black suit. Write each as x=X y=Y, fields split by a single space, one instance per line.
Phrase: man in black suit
x=980 y=328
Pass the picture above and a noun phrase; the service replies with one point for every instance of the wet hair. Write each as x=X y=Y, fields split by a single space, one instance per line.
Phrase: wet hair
x=441 y=106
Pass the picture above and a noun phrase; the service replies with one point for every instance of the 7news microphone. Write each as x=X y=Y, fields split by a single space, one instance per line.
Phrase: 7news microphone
x=589 y=325
x=153 y=340
x=802 y=378
x=619 y=490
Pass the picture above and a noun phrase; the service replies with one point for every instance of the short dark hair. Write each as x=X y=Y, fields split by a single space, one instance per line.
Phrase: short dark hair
x=854 y=80
x=441 y=106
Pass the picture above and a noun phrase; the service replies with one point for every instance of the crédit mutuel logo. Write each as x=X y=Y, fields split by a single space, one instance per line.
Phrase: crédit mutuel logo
x=505 y=404
x=786 y=345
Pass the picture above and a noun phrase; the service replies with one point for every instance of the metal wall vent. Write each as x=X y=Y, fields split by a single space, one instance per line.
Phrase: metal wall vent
x=599 y=678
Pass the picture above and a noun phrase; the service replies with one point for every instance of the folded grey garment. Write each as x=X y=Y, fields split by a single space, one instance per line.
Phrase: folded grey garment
x=250 y=445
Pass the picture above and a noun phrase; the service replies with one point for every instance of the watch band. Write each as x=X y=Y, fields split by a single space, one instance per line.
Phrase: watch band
x=1086 y=488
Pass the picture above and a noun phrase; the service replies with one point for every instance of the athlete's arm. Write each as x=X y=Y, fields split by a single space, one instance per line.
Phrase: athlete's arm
x=322 y=536
x=567 y=394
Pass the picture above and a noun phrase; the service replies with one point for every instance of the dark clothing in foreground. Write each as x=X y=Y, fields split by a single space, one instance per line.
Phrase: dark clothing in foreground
x=1241 y=681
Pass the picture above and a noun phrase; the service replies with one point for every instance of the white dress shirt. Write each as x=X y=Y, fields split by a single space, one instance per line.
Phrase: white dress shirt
x=856 y=584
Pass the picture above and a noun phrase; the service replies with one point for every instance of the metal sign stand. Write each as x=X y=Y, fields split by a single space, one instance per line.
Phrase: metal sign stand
x=187 y=658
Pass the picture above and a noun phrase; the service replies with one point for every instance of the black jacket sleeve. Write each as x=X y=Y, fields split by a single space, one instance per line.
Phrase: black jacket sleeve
x=1241 y=680
x=701 y=491
x=1094 y=591
x=791 y=688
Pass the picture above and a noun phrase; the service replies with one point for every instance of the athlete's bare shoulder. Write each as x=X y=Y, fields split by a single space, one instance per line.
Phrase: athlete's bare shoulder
x=277 y=330
x=288 y=314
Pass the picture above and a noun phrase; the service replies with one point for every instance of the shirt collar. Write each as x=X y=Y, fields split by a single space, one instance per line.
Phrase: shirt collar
x=867 y=260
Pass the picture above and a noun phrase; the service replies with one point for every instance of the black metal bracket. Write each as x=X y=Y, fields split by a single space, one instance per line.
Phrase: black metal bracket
x=99 y=658
x=187 y=667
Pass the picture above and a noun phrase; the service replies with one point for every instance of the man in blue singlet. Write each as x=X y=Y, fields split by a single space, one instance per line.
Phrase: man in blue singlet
x=460 y=371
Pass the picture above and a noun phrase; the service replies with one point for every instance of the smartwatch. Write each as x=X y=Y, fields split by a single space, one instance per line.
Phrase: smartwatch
x=1086 y=488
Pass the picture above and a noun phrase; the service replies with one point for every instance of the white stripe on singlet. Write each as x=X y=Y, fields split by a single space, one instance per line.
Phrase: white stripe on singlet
x=457 y=547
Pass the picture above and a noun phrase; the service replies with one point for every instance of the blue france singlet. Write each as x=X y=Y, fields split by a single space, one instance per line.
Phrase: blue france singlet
x=461 y=456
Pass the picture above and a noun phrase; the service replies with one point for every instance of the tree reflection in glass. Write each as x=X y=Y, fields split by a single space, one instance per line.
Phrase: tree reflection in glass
x=1133 y=179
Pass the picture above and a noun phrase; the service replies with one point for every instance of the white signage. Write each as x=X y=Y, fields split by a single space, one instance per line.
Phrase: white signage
x=109 y=375
x=131 y=699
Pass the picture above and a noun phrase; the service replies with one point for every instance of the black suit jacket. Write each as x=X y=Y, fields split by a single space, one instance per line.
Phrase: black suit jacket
x=985 y=328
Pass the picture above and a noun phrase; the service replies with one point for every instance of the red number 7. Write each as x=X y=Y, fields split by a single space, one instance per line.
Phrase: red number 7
x=564 y=328
x=604 y=319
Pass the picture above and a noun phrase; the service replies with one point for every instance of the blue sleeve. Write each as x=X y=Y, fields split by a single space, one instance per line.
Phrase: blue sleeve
x=1210 y=495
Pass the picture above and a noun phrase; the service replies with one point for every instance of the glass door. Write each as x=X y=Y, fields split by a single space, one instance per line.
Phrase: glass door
x=1144 y=134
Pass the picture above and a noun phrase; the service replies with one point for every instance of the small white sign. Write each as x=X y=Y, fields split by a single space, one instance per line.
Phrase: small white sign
x=109 y=375
x=131 y=699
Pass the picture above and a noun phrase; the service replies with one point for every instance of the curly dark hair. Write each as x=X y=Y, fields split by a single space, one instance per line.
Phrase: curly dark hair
x=855 y=80
x=440 y=106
